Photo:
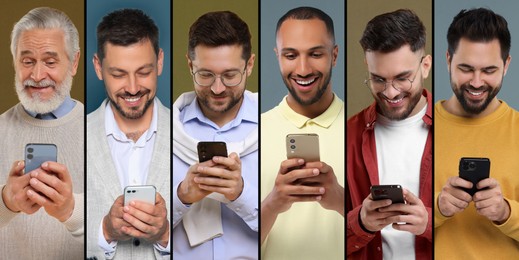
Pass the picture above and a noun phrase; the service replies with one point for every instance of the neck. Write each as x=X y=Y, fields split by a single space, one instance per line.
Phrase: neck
x=314 y=110
x=221 y=118
x=453 y=106
x=134 y=128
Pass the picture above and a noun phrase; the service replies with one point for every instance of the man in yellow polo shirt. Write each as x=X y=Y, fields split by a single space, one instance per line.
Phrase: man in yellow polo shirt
x=306 y=51
x=474 y=123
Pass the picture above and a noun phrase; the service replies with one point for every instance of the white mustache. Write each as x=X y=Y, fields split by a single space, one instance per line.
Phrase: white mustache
x=41 y=84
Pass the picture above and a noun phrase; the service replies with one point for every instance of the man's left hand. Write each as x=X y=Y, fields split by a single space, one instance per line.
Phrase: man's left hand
x=224 y=178
x=333 y=197
x=490 y=202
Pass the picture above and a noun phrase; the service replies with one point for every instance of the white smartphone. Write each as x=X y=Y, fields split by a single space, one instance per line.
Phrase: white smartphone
x=305 y=146
x=36 y=154
x=144 y=193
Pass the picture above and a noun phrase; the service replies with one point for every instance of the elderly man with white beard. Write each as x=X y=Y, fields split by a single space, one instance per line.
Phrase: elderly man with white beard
x=41 y=211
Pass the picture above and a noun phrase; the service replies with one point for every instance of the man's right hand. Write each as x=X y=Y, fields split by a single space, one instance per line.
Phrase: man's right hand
x=287 y=189
x=113 y=222
x=189 y=191
x=452 y=198
x=15 y=190
x=370 y=216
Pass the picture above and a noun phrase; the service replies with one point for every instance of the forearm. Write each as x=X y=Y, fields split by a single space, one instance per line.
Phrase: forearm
x=268 y=218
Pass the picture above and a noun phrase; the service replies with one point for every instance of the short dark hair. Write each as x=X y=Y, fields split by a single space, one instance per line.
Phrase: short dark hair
x=307 y=13
x=126 y=27
x=220 y=28
x=390 y=31
x=479 y=25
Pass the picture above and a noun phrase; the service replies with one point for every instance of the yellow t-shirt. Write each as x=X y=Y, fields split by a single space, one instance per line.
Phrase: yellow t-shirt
x=306 y=230
x=468 y=235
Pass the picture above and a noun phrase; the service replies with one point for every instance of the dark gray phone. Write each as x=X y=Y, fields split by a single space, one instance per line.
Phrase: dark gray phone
x=474 y=170
x=207 y=150
x=392 y=192
x=36 y=154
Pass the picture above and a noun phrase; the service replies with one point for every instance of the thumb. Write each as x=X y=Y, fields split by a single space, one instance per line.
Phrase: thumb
x=16 y=169
x=411 y=198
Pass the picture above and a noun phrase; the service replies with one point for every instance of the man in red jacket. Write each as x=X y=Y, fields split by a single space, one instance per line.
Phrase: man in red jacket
x=390 y=142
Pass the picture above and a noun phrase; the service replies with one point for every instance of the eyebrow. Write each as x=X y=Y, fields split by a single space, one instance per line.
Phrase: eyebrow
x=115 y=69
x=49 y=53
x=399 y=75
x=288 y=49
x=466 y=66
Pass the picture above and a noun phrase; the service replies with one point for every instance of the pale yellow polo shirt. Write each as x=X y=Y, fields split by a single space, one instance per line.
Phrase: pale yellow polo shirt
x=306 y=230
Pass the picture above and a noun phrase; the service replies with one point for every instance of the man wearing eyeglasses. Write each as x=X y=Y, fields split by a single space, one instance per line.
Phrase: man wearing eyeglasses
x=475 y=123
x=215 y=202
x=389 y=143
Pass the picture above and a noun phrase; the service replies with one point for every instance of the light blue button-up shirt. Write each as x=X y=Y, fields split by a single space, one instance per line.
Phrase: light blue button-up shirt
x=63 y=109
x=240 y=217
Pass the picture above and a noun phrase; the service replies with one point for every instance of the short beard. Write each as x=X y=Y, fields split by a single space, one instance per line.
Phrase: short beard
x=413 y=101
x=134 y=113
x=320 y=91
x=35 y=104
x=203 y=101
x=475 y=108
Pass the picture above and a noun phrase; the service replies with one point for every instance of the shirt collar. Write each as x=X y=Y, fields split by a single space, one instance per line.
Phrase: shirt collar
x=325 y=119
x=111 y=127
x=66 y=106
x=248 y=112
x=371 y=115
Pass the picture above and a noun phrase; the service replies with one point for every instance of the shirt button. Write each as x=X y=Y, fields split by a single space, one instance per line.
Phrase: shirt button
x=378 y=248
x=356 y=246
x=136 y=242
x=238 y=209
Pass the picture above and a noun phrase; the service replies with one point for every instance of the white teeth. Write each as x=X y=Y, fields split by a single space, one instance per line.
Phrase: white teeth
x=132 y=99
x=394 y=101
x=475 y=93
x=305 y=82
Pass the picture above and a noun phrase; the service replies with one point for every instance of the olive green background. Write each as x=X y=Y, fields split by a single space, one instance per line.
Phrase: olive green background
x=11 y=12
x=185 y=13
x=358 y=96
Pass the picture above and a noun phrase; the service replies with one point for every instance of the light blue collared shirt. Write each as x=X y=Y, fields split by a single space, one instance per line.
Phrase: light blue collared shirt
x=63 y=109
x=239 y=217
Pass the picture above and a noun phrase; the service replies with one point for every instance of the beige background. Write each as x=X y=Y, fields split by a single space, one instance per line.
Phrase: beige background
x=359 y=13
x=185 y=13
x=11 y=12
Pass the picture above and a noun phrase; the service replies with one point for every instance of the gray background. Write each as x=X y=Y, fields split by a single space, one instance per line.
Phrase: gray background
x=444 y=11
x=272 y=88
x=159 y=11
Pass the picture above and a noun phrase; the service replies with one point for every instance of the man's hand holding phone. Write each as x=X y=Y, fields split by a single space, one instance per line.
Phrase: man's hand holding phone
x=223 y=177
x=14 y=193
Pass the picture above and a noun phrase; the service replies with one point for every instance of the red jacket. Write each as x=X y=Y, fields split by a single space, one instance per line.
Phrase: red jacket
x=362 y=172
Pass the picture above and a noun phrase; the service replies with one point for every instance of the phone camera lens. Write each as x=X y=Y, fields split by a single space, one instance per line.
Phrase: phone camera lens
x=30 y=150
x=472 y=165
x=29 y=156
x=292 y=141
x=128 y=191
x=133 y=191
x=292 y=147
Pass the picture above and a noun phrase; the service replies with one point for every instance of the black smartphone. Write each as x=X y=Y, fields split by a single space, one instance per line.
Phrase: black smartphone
x=207 y=150
x=36 y=154
x=474 y=170
x=392 y=192
x=305 y=146
x=144 y=193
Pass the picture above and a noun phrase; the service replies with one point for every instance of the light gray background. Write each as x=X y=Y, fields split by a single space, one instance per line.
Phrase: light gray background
x=272 y=88
x=444 y=12
x=159 y=11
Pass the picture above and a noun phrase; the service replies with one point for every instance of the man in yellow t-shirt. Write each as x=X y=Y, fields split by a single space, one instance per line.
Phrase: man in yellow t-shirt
x=474 y=123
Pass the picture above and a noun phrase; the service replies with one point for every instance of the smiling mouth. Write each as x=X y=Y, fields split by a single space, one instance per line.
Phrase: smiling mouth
x=476 y=93
x=395 y=101
x=305 y=82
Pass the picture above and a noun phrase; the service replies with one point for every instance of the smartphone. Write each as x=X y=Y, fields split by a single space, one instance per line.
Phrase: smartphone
x=145 y=193
x=392 y=192
x=474 y=170
x=305 y=146
x=36 y=154
x=207 y=150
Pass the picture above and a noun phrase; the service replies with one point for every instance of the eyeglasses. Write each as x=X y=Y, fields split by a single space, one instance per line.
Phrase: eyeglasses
x=400 y=84
x=230 y=78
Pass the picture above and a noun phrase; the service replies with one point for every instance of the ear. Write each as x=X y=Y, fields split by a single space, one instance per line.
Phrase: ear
x=97 y=66
x=75 y=63
x=276 y=52
x=335 y=54
x=189 y=63
x=507 y=63
x=160 y=62
x=449 y=59
x=250 y=64
x=426 y=66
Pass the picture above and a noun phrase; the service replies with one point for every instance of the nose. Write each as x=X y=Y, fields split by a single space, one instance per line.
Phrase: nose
x=303 y=67
x=39 y=72
x=477 y=81
x=218 y=87
x=132 y=86
x=390 y=91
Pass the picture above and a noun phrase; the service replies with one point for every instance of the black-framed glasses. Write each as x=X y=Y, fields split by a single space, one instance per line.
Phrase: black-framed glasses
x=230 y=78
x=400 y=84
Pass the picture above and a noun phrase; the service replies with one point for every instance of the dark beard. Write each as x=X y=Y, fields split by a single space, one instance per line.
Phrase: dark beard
x=470 y=107
x=134 y=114
x=413 y=101
x=314 y=99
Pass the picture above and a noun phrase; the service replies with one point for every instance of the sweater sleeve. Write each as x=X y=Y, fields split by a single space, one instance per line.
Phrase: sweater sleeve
x=511 y=226
x=6 y=215
x=76 y=223
x=439 y=218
